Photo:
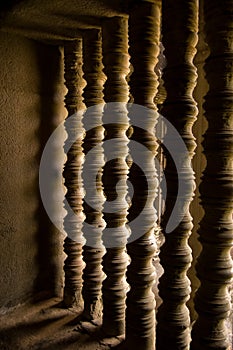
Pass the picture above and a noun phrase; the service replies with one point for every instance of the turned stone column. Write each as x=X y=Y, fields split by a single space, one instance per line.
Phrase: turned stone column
x=179 y=35
x=72 y=246
x=115 y=120
x=92 y=172
x=144 y=34
x=214 y=266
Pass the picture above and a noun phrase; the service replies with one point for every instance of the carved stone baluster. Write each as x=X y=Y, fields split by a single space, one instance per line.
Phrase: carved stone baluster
x=72 y=246
x=179 y=33
x=115 y=119
x=93 y=201
x=144 y=34
x=214 y=266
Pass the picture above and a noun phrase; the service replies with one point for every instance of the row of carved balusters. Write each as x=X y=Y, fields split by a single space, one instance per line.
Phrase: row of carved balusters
x=107 y=127
x=144 y=42
x=140 y=318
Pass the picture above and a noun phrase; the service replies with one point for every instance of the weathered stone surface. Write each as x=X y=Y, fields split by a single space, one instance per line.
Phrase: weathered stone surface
x=144 y=36
x=93 y=202
x=214 y=266
x=179 y=33
x=116 y=68
x=72 y=174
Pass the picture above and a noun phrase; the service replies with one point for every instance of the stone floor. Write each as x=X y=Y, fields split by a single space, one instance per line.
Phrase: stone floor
x=45 y=325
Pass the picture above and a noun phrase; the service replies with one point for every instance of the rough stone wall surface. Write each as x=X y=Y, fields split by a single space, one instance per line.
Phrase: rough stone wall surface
x=30 y=107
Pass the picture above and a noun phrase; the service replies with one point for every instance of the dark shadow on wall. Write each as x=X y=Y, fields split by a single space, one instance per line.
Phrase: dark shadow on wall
x=50 y=240
x=6 y=6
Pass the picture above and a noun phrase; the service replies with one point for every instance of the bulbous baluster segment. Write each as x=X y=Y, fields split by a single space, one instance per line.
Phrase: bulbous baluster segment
x=73 y=224
x=214 y=265
x=93 y=68
x=73 y=61
x=115 y=120
x=73 y=279
x=179 y=33
x=93 y=250
x=140 y=311
x=144 y=34
x=115 y=59
x=144 y=38
x=115 y=234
